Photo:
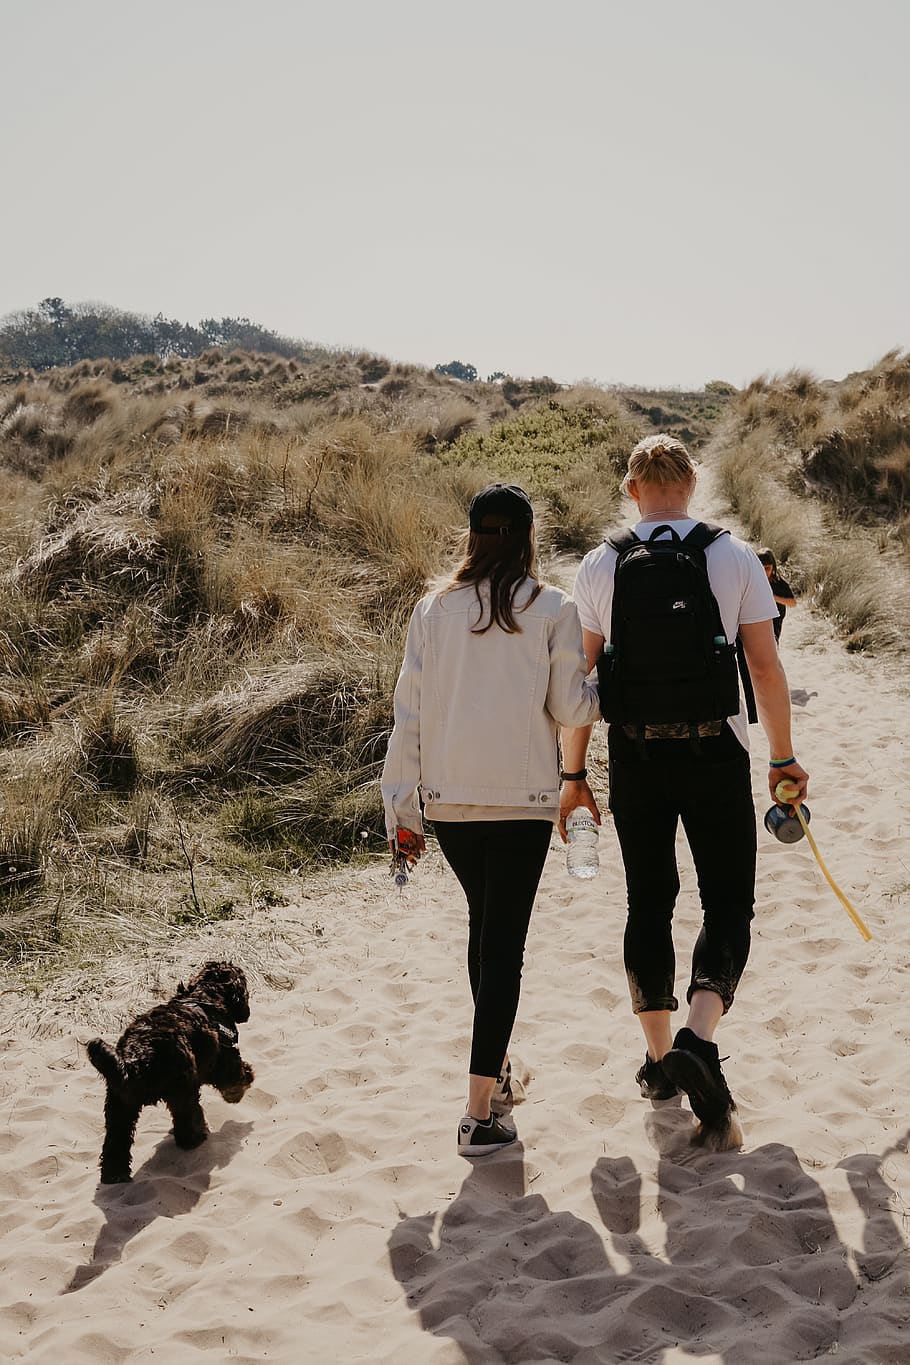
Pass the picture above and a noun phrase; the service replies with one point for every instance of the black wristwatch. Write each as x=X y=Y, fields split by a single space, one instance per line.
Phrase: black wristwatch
x=574 y=777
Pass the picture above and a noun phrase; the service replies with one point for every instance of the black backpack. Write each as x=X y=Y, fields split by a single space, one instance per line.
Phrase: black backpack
x=668 y=660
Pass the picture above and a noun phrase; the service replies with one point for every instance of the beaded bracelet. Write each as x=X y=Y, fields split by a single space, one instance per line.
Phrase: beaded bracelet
x=782 y=762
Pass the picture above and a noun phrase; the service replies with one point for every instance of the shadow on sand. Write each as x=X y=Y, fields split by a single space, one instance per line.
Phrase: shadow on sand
x=168 y=1185
x=744 y=1265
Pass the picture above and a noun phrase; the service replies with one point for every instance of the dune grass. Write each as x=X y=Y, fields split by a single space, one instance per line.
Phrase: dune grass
x=821 y=474
x=206 y=569
x=689 y=415
x=752 y=483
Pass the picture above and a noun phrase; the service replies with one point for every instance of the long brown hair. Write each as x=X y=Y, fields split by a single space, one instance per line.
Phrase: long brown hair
x=503 y=562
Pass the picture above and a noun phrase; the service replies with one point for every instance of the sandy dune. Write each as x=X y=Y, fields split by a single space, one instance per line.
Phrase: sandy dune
x=328 y=1217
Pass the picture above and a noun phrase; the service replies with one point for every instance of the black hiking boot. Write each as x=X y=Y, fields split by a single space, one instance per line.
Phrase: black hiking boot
x=654 y=1082
x=694 y=1065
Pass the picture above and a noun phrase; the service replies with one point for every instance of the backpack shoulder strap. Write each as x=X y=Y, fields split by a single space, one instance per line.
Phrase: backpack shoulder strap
x=703 y=534
x=658 y=534
x=622 y=540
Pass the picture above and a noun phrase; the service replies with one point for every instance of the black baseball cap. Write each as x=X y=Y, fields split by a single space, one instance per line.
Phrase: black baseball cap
x=500 y=508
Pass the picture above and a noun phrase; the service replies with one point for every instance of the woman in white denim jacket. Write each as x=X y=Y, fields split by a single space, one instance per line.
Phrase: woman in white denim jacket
x=493 y=666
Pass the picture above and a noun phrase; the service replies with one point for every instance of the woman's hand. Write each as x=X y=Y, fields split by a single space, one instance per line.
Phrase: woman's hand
x=573 y=795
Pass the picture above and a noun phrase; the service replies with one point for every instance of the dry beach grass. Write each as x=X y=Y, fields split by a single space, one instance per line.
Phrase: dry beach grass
x=205 y=571
x=821 y=473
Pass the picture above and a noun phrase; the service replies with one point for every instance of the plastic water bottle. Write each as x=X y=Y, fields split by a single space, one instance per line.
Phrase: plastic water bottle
x=581 y=855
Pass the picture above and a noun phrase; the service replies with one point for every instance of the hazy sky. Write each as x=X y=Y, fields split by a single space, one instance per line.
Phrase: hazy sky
x=667 y=192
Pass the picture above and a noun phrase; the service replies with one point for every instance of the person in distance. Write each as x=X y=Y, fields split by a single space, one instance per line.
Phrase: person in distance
x=784 y=595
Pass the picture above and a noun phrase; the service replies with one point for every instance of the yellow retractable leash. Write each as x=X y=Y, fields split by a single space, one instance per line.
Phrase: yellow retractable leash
x=786 y=791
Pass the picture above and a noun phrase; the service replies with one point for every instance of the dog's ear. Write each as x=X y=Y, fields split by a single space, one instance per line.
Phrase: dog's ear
x=238 y=996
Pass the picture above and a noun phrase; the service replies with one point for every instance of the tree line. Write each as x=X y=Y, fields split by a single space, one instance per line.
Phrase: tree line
x=460 y=369
x=58 y=333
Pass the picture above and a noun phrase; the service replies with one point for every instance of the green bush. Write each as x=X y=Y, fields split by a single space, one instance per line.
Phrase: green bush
x=569 y=454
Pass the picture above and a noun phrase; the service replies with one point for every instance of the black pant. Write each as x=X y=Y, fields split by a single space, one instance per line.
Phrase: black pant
x=711 y=792
x=498 y=863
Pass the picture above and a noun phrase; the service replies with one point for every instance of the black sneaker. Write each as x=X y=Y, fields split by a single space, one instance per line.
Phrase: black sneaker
x=479 y=1139
x=502 y=1100
x=694 y=1065
x=654 y=1082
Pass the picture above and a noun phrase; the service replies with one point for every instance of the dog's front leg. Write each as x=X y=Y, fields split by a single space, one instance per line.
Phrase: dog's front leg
x=189 y=1121
x=232 y=1076
x=119 y=1130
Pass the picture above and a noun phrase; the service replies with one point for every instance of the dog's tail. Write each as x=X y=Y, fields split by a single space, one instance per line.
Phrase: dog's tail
x=103 y=1057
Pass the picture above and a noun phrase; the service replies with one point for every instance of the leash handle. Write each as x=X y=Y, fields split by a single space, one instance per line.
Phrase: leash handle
x=786 y=790
x=399 y=871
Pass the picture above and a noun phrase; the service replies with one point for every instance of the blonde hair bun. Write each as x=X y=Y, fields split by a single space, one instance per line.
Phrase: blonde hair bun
x=661 y=459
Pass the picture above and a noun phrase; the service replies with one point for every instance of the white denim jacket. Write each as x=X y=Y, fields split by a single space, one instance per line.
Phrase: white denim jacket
x=476 y=716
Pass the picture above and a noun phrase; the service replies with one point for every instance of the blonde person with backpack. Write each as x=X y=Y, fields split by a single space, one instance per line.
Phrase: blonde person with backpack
x=493 y=666
x=661 y=608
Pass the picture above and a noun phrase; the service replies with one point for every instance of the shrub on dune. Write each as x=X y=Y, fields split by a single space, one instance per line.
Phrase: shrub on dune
x=23 y=710
x=110 y=545
x=570 y=453
x=88 y=402
x=451 y=419
x=26 y=826
x=294 y=720
x=106 y=747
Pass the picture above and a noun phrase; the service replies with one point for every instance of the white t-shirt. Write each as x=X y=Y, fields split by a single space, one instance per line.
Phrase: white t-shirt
x=737 y=577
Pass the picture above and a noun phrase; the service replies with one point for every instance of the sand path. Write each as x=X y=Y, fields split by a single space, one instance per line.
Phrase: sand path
x=328 y=1218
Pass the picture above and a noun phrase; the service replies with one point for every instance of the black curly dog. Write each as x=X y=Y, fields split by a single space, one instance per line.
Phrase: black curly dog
x=167 y=1054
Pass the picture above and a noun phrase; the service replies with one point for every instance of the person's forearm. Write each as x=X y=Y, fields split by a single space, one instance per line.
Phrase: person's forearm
x=772 y=697
x=772 y=700
x=575 y=793
x=575 y=748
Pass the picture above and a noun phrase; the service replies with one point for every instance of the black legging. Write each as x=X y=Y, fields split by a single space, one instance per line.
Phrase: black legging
x=498 y=863
x=711 y=792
